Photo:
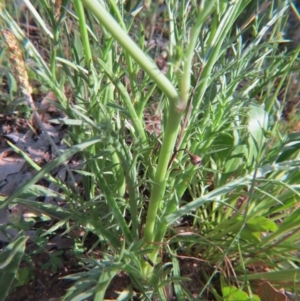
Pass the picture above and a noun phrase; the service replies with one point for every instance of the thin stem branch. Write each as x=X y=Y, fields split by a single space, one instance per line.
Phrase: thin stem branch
x=84 y=34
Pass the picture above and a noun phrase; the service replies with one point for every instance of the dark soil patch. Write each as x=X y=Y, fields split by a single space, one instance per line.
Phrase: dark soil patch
x=45 y=284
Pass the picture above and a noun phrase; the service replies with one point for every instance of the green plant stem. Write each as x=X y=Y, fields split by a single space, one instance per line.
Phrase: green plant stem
x=173 y=123
x=84 y=34
x=119 y=174
x=213 y=52
x=177 y=104
x=125 y=158
x=109 y=93
x=135 y=52
x=158 y=187
x=137 y=123
x=54 y=50
x=127 y=56
x=186 y=78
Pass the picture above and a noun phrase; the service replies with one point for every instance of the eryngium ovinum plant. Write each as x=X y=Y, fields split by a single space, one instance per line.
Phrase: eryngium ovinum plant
x=217 y=183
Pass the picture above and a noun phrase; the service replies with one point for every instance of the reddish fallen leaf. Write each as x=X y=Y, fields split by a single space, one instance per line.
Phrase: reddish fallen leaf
x=267 y=292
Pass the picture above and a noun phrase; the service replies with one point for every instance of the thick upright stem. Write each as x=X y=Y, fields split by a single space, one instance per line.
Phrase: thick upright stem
x=159 y=185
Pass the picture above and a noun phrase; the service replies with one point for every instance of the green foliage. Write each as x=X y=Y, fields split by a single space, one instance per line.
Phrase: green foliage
x=54 y=261
x=234 y=294
x=23 y=276
x=241 y=203
x=10 y=258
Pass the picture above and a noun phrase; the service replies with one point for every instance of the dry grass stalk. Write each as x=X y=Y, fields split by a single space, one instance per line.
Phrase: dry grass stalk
x=20 y=73
x=57 y=9
x=17 y=61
